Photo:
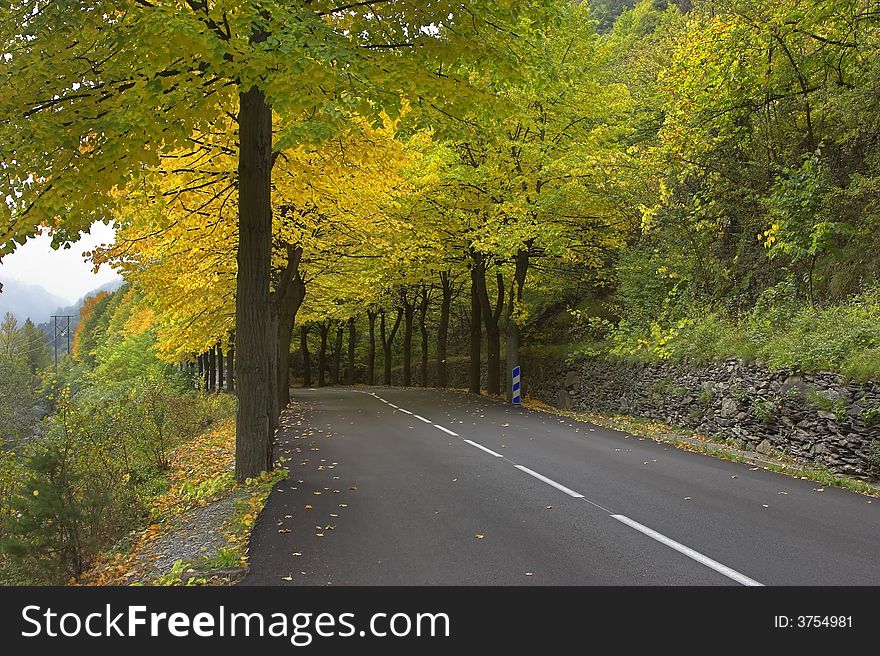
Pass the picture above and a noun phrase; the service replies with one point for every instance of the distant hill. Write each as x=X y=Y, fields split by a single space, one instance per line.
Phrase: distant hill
x=26 y=301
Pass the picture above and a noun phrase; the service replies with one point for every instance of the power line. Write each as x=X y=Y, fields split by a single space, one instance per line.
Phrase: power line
x=64 y=332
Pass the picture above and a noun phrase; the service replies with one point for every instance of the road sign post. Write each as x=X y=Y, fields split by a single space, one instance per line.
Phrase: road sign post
x=516 y=395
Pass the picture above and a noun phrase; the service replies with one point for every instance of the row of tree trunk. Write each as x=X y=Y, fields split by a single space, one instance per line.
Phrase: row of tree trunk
x=411 y=311
x=214 y=370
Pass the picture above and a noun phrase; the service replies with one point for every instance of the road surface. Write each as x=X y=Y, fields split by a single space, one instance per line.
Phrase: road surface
x=410 y=487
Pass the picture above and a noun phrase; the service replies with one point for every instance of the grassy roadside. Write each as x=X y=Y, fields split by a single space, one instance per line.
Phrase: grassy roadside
x=719 y=448
x=200 y=478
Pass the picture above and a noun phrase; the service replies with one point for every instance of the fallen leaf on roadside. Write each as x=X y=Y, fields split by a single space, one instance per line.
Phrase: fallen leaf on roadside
x=479 y=536
x=286 y=578
x=820 y=489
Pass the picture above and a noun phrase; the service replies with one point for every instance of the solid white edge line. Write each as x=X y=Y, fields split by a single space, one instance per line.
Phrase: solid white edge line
x=406 y=411
x=687 y=551
x=445 y=430
x=392 y=405
x=420 y=418
x=550 y=481
x=480 y=446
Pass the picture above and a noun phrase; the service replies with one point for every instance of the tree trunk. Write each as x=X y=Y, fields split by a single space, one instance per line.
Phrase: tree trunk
x=207 y=373
x=352 y=342
x=387 y=343
x=335 y=378
x=409 y=309
x=219 y=367
x=323 y=331
x=253 y=437
x=371 y=348
x=476 y=331
x=443 y=329
x=289 y=294
x=307 y=357
x=514 y=301
x=201 y=369
x=491 y=316
x=230 y=367
x=423 y=329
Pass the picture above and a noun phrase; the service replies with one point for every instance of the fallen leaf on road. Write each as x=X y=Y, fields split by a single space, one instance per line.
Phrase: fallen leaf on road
x=530 y=573
x=734 y=476
x=753 y=469
x=785 y=493
x=297 y=553
x=765 y=505
x=286 y=578
x=308 y=506
x=316 y=492
x=820 y=489
x=479 y=536
x=353 y=487
x=687 y=498
x=548 y=507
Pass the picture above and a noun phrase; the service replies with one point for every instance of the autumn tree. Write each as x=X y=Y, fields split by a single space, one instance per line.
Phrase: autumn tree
x=106 y=88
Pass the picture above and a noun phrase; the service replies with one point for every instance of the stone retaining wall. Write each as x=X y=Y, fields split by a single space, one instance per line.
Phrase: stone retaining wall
x=817 y=418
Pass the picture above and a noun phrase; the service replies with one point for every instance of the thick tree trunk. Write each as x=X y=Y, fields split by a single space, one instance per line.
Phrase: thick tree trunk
x=201 y=370
x=335 y=378
x=423 y=329
x=323 y=331
x=476 y=331
x=253 y=436
x=409 y=309
x=371 y=348
x=443 y=329
x=352 y=342
x=220 y=377
x=388 y=342
x=491 y=316
x=306 y=356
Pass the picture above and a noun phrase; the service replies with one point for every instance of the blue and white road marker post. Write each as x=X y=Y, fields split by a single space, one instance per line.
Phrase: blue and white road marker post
x=516 y=396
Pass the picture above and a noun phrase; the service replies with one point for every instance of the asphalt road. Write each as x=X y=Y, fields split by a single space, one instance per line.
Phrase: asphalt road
x=407 y=487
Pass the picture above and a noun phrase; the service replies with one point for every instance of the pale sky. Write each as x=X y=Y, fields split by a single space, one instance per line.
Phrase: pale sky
x=63 y=272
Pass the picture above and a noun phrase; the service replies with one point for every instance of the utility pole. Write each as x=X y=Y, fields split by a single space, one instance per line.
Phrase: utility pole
x=65 y=332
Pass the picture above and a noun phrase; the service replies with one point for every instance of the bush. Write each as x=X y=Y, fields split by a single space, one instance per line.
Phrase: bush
x=90 y=480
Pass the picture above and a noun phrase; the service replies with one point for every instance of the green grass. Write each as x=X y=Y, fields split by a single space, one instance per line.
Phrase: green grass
x=843 y=338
